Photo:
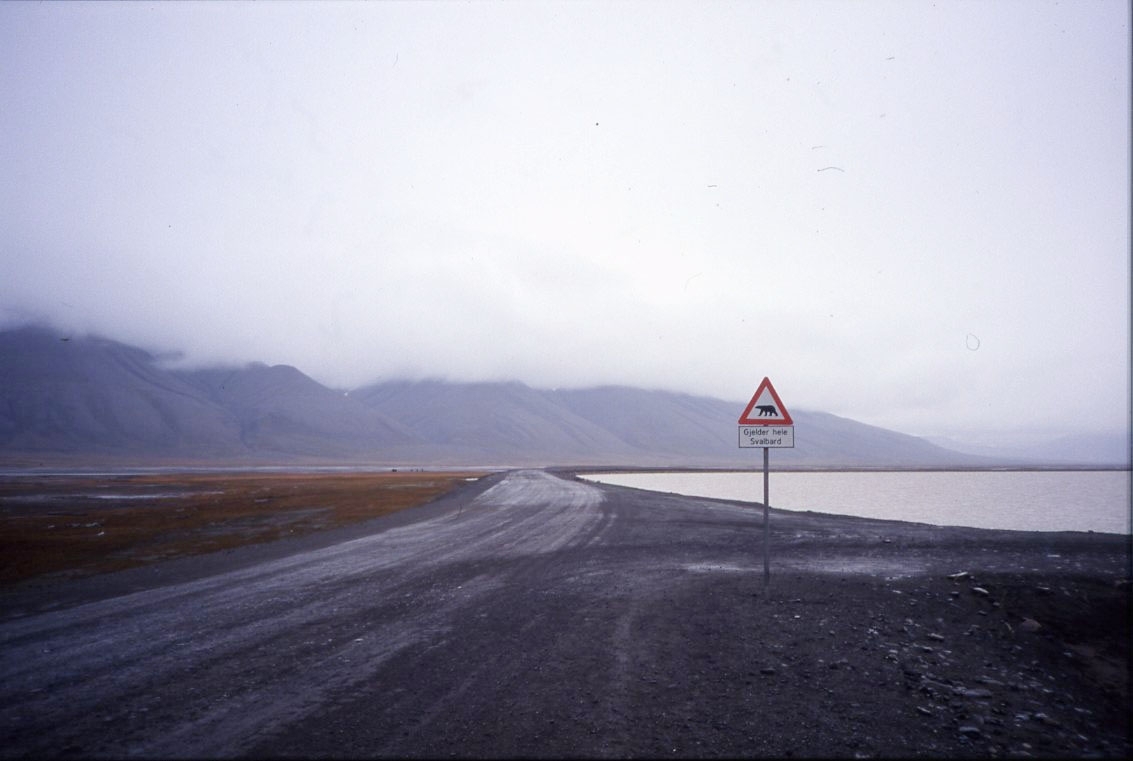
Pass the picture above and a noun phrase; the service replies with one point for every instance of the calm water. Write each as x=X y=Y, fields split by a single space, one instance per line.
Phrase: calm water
x=1024 y=500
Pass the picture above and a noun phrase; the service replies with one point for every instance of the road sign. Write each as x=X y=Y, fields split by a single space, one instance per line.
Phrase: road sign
x=766 y=409
x=766 y=423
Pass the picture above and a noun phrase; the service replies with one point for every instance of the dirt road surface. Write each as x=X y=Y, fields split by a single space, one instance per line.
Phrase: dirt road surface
x=534 y=615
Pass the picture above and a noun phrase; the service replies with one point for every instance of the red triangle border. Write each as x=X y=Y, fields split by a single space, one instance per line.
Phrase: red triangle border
x=784 y=416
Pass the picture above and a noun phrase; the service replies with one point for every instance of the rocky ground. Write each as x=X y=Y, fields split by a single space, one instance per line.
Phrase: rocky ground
x=983 y=664
x=973 y=642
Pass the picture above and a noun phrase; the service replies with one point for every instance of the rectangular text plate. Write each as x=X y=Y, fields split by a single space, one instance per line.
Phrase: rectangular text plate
x=767 y=436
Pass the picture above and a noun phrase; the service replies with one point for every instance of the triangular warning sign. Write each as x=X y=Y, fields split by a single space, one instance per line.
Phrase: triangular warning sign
x=765 y=408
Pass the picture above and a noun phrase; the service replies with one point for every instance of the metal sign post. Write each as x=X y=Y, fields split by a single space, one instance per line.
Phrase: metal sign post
x=770 y=426
x=766 y=522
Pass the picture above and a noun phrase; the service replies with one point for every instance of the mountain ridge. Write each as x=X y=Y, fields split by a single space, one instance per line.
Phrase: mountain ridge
x=94 y=399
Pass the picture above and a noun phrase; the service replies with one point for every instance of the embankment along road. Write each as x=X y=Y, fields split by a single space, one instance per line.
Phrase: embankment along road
x=534 y=615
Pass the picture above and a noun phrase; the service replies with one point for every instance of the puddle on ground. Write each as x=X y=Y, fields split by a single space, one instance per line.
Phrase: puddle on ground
x=717 y=568
x=890 y=569
x=843 y=566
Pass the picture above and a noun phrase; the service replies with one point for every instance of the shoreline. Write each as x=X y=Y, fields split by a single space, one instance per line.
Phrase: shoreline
x=17 y=466
x=1015 y=500
x=756 y=468
x=61 y=471
x=277 y=470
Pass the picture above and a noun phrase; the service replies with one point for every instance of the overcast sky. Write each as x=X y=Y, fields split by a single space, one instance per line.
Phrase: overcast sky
x=914 y=214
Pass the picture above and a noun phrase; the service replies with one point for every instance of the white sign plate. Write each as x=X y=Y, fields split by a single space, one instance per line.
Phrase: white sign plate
x=771 y=436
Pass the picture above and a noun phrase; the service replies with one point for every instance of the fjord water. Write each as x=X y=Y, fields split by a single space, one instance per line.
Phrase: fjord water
x=1048 y=500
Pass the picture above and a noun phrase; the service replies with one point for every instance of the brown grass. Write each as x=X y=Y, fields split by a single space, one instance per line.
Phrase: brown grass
x=82 y=525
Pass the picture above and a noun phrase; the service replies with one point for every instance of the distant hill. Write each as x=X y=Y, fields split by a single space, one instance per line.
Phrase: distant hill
x=694 y=430
x=502 y=422
x=94 y=400
x=280 y=410
x=92 y=397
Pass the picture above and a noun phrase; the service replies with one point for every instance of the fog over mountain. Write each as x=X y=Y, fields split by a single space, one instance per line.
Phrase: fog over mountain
x=90 y=400
x=910 y=213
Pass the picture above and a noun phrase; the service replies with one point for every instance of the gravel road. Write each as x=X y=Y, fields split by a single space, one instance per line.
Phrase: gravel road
x=536 y=615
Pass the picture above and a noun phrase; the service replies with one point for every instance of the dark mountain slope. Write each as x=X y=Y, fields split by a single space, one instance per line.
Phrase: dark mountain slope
x=280 y=409
x=496 y=421
x=96 y=396
x=620 y=425
x=660 y=422
x=92 y=398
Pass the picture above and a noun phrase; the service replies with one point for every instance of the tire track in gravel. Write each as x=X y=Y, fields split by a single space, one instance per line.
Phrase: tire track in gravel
x=211 y=666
